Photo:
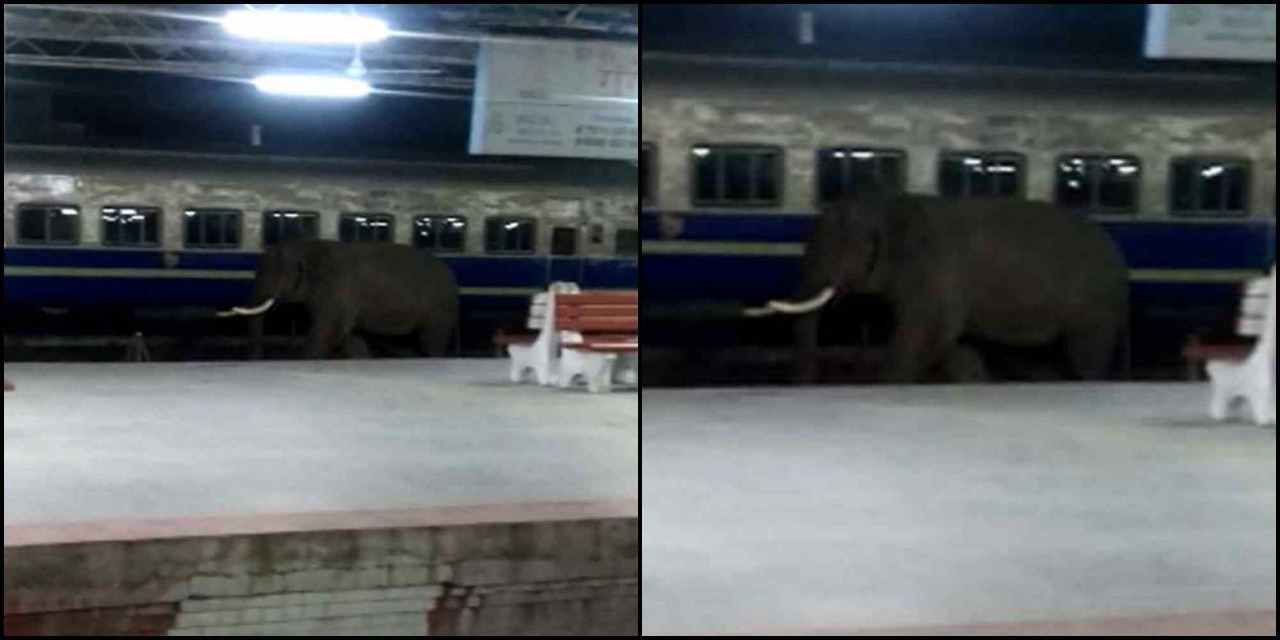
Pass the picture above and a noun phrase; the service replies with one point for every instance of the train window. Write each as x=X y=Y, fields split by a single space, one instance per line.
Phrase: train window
x=1210 y=187
x=131 y=226
x=648 y=154
x=627 y=242
x=564 y=241
x=212 y=228
x=510 y=235
x=736 y=176
x=1098 y=184
x=48 y=224
x=283 y=225
x=440 y=233
x=980 y=175
x=845 y=172
x=366 y=227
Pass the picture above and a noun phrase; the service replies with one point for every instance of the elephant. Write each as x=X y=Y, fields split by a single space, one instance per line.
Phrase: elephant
x=1006 y=272
x=382 y=289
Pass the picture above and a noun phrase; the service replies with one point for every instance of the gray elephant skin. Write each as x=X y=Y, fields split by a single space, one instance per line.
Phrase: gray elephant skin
x=959 y=272
x=380 y=289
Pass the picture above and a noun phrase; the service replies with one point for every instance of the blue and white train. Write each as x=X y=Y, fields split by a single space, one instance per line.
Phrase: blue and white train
x=737 y=154
x=99 y=231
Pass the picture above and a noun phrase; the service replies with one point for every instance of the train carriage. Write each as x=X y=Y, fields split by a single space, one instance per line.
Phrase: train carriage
x=117 y=232
x=738 y=153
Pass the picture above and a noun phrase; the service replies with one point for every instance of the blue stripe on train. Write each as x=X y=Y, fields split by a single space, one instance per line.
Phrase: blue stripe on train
x=125 y=259
x=743 y=227
x=531 y=272
x=1242 y=244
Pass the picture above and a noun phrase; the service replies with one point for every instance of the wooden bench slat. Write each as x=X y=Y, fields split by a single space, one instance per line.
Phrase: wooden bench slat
x=612 y=311
x=597 y=324
x=1201 y=352
x=597 y=298
x=606 y=347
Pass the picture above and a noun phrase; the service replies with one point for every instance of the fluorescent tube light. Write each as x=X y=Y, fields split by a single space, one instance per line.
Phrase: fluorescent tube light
x=307 y=28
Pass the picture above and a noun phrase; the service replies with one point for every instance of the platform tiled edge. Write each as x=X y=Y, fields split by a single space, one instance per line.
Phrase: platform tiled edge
x=564 y=568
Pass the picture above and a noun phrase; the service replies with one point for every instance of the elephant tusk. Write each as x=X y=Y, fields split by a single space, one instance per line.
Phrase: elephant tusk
x=807 y=306
x=252 y=311
x=759 y=312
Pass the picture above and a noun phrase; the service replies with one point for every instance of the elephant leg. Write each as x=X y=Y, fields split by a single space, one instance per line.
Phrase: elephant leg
x=919 y=343
x=329 y=330
x=356 y=347
x=433 y=340
x=964 y=364
x=1090 y=352
x=806 y=340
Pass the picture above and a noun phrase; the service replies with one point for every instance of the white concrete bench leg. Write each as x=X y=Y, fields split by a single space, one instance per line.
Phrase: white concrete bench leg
x=519 y=355
x=627 y=369
x=527 y=359
x=596 y=369
x=1253 y=380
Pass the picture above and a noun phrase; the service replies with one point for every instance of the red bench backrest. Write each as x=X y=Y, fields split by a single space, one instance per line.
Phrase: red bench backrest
x=598 y=312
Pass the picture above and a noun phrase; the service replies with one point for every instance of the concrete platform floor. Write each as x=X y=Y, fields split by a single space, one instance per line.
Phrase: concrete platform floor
x=842 y=510
x=85 y=442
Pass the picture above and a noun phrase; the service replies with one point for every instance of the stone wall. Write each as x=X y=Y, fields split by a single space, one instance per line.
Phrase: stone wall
x=551 y=569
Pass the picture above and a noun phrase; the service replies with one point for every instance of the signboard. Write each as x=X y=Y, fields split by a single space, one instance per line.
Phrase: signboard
x=555 y=98
x=1243 y=32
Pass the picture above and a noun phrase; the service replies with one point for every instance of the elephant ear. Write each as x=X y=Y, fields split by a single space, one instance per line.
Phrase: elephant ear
x=870 y=220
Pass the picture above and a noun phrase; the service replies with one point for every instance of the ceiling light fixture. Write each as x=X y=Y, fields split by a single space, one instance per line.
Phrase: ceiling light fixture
x=305 y=28
x=312 y=86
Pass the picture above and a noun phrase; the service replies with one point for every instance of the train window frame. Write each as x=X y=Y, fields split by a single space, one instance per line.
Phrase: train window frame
x=647 y=168
x=1199 y=211
x=191 y=214
x=1095 y=206
x=357 y=216
x=308 y=214
x=122 y=208
x=573 y=233
x=437 y=220
x=986 y=156
x=754 y=150
x=47 y=208
x=490 y=221
x=900 y=154
x=617 y=242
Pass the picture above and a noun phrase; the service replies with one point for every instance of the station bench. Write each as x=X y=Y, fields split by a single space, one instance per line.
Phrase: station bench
x=1249 y=326
x=1249 y=376
x=582 y=335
